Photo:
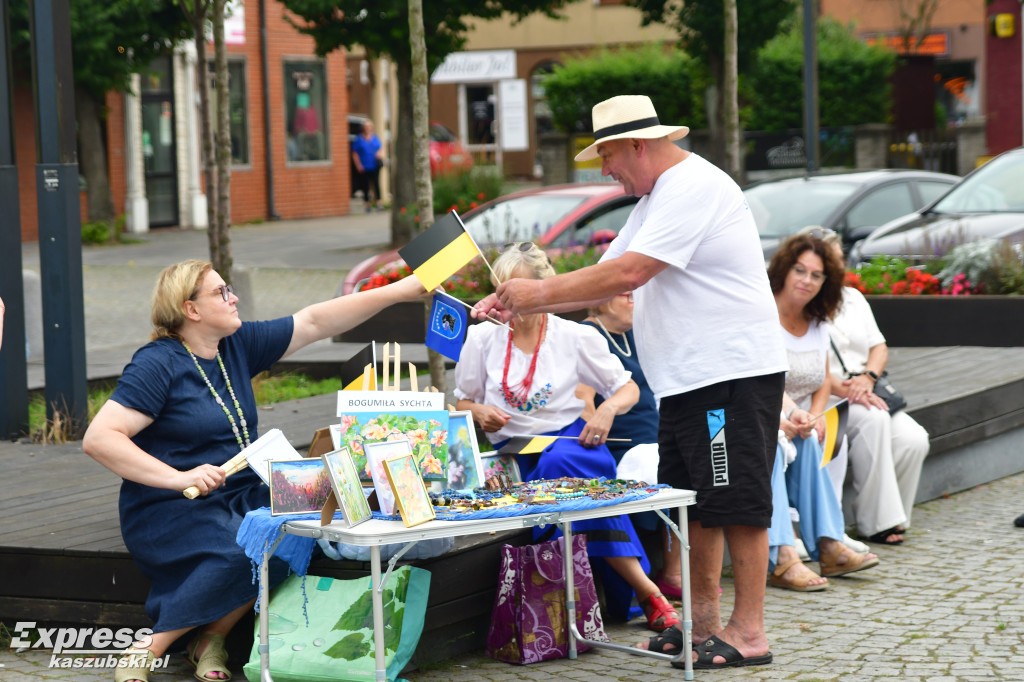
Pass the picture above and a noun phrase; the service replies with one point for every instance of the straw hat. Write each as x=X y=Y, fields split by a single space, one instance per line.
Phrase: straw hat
x=627 y=116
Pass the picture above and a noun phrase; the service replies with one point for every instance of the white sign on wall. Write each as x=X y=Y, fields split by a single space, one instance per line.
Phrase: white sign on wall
x=480 y=66
x=515 y=131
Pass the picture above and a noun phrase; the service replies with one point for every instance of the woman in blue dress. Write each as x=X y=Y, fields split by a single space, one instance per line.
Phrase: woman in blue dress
x=183 y=406
x=524 y=382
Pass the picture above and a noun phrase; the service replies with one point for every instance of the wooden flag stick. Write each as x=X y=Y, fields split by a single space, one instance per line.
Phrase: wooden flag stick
x=398 y=368
x=413 y=380
x=232 y=466
x=492 y=319
x=366 y=377
x=613 y=440
x=387 y=368
x=482 y=257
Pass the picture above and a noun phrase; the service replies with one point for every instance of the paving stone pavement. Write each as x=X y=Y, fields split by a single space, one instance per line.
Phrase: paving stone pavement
x=944 y=607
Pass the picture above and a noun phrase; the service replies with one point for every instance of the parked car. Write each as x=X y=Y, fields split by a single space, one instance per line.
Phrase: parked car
x=987 y=204
x=447 y=155
x=853 y=204
x=574 y=216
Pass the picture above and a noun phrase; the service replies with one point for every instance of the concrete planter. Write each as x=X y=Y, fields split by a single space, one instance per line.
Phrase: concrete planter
x=950 y=320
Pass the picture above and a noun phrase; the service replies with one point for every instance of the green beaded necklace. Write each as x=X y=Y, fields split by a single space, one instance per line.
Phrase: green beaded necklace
x=220 y=401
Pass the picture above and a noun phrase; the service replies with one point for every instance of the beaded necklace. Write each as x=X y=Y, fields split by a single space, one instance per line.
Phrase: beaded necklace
x=520 y=395
x=628 y=353
x=220 y=401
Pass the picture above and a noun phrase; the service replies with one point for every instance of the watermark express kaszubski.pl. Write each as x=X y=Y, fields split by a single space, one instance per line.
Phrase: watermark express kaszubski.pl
x=86 y=647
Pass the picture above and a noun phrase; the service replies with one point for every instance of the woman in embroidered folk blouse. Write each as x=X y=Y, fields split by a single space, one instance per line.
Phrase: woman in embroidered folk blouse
x=524 y=383
x=183 y=406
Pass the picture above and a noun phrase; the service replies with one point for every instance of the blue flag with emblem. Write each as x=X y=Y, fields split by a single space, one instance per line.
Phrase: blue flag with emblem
x=448 y=324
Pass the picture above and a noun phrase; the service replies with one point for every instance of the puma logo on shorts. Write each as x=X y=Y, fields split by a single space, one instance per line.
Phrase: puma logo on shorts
x=719 y=454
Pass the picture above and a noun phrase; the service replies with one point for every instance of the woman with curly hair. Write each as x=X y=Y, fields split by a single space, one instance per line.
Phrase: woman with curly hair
x=806 y=278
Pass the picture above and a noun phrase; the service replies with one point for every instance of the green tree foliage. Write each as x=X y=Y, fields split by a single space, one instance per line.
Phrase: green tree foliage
x=664 y=75
x=853 y=79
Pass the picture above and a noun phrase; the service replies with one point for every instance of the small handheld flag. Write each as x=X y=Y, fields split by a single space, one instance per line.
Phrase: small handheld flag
x=835 y=430
x=446 y=332
x=352 y=370
x=526 y=445
x=439 y=252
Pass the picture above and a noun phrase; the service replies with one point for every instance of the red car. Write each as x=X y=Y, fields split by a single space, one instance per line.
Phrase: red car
x=446 y=154
x=556 y=217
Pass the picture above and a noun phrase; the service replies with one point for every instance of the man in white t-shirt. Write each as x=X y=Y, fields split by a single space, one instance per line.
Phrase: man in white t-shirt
x=707 y=331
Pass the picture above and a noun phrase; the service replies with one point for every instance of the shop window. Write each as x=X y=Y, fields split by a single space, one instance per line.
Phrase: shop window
x=237 y=109
x=305 y=90
x=541 y=110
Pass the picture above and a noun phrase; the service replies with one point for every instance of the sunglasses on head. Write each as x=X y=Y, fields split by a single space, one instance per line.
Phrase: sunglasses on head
x=523 y=246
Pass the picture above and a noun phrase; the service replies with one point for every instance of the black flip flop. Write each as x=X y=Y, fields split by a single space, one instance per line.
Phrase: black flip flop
x=713 y=647
x=671 y=635
x=882 y=537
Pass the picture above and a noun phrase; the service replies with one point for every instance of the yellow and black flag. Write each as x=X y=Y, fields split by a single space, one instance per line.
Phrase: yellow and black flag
x=835 y=430
x=526 y=445
x=352 y=370
x=438 y=253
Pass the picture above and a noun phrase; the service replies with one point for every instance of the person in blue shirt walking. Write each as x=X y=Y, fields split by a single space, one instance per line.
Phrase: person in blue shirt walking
x=368 y=157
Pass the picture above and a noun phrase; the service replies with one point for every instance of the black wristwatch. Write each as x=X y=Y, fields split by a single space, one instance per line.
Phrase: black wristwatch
x=871 y=374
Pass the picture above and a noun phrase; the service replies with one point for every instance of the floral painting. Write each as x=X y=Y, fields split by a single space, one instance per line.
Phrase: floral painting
x=494 y=464
x=463 y=453
x=427 y=431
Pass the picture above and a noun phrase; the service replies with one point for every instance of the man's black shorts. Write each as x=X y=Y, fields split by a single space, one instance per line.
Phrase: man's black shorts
x=720 y=441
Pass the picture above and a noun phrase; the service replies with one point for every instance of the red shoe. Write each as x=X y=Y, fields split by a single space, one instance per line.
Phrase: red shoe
x=660 y=614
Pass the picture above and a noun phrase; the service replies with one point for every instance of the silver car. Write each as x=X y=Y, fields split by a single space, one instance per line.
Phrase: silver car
x=987 y=204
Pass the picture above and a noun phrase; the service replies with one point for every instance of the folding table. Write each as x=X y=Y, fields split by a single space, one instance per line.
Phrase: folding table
x=376 y=532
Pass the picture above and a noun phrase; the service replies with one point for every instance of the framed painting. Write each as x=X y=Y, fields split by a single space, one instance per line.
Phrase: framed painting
x=410 y=492
x=348 y=490
x=376 y=453
x=298 y=486
x=493 y=463
x=463 y=452
x=378 y=416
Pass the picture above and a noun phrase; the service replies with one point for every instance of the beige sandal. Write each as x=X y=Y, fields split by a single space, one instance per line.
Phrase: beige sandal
x=214 y=658
x=800 y=584
x=134 y=672
x=831 y=567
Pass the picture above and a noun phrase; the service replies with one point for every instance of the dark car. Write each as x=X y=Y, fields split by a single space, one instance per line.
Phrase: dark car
x=987 y=204
x=555 y=217
x=853 y=204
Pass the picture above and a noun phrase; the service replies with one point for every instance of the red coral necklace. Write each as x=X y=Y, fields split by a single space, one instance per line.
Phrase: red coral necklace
x=519 y=395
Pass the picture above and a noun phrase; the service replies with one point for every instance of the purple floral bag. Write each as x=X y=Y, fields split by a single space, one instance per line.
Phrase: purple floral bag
x=528 y=623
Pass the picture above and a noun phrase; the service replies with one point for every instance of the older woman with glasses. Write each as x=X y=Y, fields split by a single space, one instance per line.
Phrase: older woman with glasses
x=523 y=382
x=806 y=279
x=183 y=406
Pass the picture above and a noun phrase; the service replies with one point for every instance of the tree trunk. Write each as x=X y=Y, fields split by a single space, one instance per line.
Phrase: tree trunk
x=92 y=158
x=198 y=19
x=403 y=187
x=421 y=152
x=713 y=107
x=223 y=139
x=730 y=97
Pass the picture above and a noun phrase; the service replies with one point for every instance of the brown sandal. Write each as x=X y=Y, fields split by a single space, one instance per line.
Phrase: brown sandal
x=831 y=567
x=776 y=579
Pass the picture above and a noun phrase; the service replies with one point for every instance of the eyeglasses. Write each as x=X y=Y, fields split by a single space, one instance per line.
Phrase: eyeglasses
x=225 y=291
x=523 y=246
x=802 y=272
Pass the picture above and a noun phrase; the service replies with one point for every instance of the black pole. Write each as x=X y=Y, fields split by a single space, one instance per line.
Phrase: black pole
x=267 y=134
x=811 y=84
x=13 y=370
x=60 y=227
